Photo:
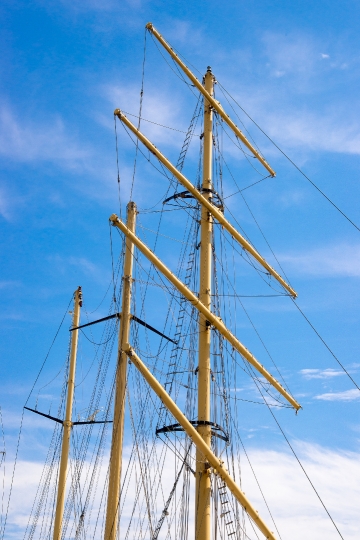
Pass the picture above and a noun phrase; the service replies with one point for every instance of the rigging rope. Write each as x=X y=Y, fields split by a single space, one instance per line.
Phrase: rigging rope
x=117 y=166
x=326 y=345
x=47 y=354
x=296 y=457
x=292 y=162
x=139 y=117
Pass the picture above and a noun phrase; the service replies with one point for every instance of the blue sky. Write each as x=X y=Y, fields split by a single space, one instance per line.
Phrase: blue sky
x=294 y=67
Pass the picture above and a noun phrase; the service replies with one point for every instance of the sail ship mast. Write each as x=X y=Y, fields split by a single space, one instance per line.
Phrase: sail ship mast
x=206 y=460
x=112 y=512
x=67 y=424
x=203 y=480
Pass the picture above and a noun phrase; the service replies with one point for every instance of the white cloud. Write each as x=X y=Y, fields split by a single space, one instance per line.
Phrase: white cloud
x=347 y=395
x=321 y=373
x=80 y=265
x=308 y=113
x=159 y=107
x=9 y=284
x=28 y=141
x=296 y=509
x=293 y=54
x=341 y=260
x=328 y=132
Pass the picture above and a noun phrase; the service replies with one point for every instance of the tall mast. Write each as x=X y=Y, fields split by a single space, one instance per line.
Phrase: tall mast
x=67 y=424
x=203 y=484
x=113 y=500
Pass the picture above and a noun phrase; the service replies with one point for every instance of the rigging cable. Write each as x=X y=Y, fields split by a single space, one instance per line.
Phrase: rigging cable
x=295 y=455
x=326 y=345
x=140 y=111
x=2 y=462
x=290 y=160
x=22 y=419
x=252 y=215
x=157 y=123
x=249 y=186
x=47 y=354
x=177 y=72
x=117 y=165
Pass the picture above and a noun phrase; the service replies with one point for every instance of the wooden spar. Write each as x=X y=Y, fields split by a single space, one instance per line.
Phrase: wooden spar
x=59 y=512
x=210 y=317
x=203 y=479
x=201 y=445
x=213 y=102
x=113 y=500
x=216 y=213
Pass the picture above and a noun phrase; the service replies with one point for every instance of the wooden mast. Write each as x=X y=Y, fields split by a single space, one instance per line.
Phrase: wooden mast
x=67 y=424
x=112 y=511
x=205 y=458
x=203 y=483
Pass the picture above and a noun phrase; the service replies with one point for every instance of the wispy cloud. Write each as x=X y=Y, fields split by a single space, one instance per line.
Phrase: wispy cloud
x=295 y=73
x=347 y=395
x=291 y=495
x=294 y=54
x=321 y=373
x=287 y=491
x=341 y=260
x=81 y=265
x=158 y=106
x=28 y=141
x=329 y=132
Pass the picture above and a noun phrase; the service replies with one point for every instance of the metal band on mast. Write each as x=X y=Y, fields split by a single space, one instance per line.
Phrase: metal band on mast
x=215 y=104
x=202 y=447
x=67 y=422
x=112 y=512
x=203 y=480
x=213 y=319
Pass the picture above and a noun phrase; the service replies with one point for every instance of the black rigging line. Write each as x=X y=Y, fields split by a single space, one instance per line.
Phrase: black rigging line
x=117 y=164
x=291 y=161
x=247 y=187
x=157 y=124
x=252 y=215
x=102 y=343
x=327 y=346
x=253 y=471
x=112 y=263
x=247 y=156
x=179 y=74
x=298 y=460
x=252 y=295
x=139 y=117
x=13 y=475
x=51 y=346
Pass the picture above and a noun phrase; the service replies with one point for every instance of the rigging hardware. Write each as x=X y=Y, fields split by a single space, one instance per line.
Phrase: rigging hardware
x=215 y=199
x=216 y=431
x=62 y=422
x=133 y=317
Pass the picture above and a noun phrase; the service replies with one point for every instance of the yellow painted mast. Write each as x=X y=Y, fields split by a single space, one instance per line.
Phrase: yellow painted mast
x=213 y=319
x=202 y=448
x=113 y=500
x=203 y=481
x=216 y=213
x=67 y=424
x=206 y=461
x=213 y=102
